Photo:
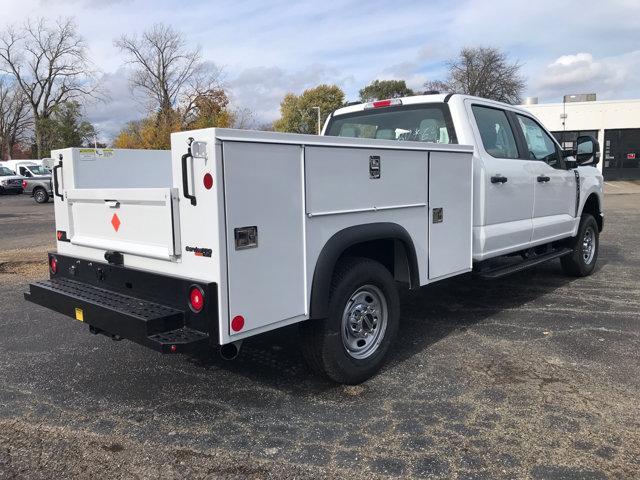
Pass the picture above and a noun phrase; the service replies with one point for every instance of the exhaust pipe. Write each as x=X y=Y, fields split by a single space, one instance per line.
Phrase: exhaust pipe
x=230 y=350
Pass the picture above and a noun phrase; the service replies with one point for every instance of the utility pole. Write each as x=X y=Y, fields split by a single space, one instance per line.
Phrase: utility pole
x=319 y=126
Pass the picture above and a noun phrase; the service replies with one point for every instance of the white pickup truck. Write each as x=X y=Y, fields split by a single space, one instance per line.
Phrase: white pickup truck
x=234 y=233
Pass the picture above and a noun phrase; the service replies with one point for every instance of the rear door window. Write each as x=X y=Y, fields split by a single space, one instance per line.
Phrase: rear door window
x=495 y=131
x=540 y=146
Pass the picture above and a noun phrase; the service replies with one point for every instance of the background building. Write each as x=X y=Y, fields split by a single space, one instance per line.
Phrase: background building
x=615 y=124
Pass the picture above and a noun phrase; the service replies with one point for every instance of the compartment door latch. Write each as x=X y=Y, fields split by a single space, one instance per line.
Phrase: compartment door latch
x=246 y=237
x=438 y=215
x=374 y=167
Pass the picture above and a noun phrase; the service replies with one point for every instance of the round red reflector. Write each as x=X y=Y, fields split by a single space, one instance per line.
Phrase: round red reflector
x=196 y=299
x=237 y=323
x=208 y=181
x=53 y=265
x=173 y=349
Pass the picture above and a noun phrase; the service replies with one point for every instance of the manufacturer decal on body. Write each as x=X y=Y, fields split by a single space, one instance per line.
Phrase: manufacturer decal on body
x=199 y=252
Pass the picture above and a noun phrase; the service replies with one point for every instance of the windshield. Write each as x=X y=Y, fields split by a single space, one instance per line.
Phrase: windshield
x=39 y=170
x=420 y=123
x=5 y=172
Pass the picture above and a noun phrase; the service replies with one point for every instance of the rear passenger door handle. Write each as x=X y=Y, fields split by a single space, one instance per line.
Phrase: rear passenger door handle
x=543 y=178
x=498 y=179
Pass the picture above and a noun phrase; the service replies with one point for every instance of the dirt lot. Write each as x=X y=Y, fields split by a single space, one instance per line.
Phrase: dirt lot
x=534 y=376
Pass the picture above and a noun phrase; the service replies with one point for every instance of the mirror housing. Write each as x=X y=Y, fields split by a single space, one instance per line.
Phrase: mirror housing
x=586 y=153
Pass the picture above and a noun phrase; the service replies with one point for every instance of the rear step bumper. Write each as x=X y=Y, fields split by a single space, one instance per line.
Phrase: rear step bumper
x=162 y=327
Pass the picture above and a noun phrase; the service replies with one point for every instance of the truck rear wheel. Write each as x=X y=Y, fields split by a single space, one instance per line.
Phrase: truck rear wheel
x=582 y=261
x=40 y=195
x=364 y=312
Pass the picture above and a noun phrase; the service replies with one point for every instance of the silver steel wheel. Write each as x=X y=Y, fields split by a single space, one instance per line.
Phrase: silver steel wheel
x=588 y=245
x=40 y=196
x=364 y=321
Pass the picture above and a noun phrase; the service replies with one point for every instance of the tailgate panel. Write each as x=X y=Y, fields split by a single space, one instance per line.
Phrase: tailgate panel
x=141 y=221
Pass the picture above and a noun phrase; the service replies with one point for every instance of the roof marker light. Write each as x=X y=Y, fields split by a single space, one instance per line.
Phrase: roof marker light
x=383 y=103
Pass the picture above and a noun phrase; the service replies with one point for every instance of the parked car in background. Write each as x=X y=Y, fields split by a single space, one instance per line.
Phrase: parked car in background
x=29 y=167
x=40 y=187
x=35 y=178
x=9 y=181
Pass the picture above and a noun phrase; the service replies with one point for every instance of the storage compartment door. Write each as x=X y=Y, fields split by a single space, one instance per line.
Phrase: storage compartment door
x=450 y=213
x=136 y=221
x=265 y=233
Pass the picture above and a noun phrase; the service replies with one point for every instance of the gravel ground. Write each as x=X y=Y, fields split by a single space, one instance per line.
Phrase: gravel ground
x=533 y=376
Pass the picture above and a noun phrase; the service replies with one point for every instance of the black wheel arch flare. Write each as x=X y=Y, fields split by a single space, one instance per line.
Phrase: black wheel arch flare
x=340 y=242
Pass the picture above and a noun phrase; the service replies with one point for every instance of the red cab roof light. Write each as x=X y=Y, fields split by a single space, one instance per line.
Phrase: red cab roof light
x=383 y=103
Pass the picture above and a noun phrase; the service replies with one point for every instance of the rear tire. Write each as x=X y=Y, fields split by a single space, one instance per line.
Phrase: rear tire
x=40 y=195
x=351 y=344
x=582 y=261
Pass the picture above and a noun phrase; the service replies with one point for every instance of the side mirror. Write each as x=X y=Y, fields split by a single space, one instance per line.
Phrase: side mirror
x=587 y=151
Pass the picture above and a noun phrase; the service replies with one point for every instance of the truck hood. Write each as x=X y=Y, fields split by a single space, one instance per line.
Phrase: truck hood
x=11 y=177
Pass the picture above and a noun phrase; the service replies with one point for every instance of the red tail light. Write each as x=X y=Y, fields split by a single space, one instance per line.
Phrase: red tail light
x=196 y=299
x=53 y=265
x=24 y=184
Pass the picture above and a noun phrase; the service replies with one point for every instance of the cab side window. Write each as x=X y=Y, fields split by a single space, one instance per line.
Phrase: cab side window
x=24 y=172
x=540 y=146
x=496 y=133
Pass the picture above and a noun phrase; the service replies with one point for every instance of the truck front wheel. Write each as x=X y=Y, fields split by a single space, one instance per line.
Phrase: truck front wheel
x=582 y=261
x=364 y=312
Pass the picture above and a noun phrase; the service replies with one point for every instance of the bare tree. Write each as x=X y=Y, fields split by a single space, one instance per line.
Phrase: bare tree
x=50 y=65
x=166 y=71
x=15 y=118
x=437 y=86
x=483 y=72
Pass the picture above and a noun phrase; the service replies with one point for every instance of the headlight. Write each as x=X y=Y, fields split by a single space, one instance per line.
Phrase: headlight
x=4 y=182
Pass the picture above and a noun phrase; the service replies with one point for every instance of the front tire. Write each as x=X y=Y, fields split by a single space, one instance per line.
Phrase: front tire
x=582 y=261
x=351 y=344
x=41 y=195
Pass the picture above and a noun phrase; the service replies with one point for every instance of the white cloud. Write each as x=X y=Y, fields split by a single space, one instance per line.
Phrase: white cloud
x=609 y=77
x=261 y=89
x=119 y=107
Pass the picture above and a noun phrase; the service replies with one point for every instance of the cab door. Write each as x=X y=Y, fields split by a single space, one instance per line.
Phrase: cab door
x=503 y=223
x=554 y=205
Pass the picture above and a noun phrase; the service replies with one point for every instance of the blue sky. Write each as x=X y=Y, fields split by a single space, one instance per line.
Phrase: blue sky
x=268 y=48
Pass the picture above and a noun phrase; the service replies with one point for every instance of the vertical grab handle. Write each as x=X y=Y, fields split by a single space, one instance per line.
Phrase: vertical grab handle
x=56 y=186
x=185 y=177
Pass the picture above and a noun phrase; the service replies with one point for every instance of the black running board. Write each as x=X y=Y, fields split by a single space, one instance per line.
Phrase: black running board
x=499 y=272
